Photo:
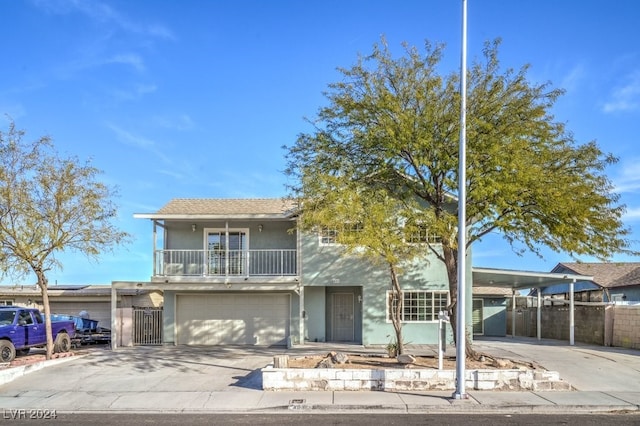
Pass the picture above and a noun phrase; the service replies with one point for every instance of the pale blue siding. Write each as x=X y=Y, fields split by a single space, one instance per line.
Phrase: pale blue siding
x=328 y=267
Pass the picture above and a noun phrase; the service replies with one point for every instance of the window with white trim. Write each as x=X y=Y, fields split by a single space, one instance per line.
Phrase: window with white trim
x=419 y=234
x=328 y=236
x=6 y=302
x=619 y=297
x=418 y=305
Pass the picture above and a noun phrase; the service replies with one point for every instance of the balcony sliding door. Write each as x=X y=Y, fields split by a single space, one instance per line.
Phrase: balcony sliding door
x=227 y=252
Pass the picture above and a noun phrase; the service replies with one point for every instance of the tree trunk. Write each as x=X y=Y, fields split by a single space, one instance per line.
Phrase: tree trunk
x=451 y=263
x=396 y=317
x=42 y=284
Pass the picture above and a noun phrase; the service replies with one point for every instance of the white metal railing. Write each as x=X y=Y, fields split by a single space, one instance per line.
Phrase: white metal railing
x=272 y=262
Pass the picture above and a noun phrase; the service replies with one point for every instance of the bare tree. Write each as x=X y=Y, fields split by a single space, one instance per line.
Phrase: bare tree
x=50 y=205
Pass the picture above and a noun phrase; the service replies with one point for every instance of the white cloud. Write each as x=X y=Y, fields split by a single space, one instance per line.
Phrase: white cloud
x=131 y=59
x=160 y=31
x=174 y=174
x=180 y=122
x=632 y=214
x=625 y=97
x=102 y=12
x=168 y=165
x=571 y=80
x=628 y=179
x=135 y=93
x=130 y=138
x=93 y=61
x=628 y=182
x=13 y=111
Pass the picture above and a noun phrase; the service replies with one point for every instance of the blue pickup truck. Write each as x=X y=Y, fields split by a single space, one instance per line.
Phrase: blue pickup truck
x=23 y=328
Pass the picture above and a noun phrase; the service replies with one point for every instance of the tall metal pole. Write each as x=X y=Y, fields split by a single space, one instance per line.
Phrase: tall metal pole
x=462 y=226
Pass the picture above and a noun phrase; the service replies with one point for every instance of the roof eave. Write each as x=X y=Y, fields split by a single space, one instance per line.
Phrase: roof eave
x=188 y=216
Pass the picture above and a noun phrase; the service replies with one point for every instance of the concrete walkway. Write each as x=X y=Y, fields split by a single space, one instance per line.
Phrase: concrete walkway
x=213 y=379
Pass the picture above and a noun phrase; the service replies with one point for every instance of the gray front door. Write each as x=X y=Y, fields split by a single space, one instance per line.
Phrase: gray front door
x=342 y=318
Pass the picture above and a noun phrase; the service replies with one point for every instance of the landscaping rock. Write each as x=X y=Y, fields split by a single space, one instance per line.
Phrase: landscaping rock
x=340 y=358
x=325 y=363
x=502 y=363
x=406 y=359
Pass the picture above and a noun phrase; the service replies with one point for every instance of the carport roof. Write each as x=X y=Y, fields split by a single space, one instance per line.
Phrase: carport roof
x=489 y=277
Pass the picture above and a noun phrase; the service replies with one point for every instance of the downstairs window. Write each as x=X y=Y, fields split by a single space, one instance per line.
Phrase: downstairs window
x=418 y=305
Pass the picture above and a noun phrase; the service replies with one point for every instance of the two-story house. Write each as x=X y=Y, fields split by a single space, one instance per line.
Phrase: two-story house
x=236 y=271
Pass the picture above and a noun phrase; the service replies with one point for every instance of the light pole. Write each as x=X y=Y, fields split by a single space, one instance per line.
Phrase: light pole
x=462 y=227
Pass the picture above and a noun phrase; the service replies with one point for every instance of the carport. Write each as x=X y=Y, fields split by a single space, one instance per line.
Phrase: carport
x=518 y=280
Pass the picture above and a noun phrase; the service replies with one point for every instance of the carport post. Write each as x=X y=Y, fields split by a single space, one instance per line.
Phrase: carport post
x=513 y=313
x=572 y=324
x=302 y=316
x=114 y=329
x=539 y=314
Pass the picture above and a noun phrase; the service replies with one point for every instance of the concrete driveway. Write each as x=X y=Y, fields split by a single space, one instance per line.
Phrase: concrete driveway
x=152 y=378
x=162 y=368
x=185 y=378
x=586 y=367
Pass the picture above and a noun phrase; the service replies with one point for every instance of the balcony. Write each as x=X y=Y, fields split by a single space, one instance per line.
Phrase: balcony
x=225 y=263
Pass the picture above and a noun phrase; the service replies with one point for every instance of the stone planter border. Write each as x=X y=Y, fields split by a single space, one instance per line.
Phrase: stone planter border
x=392 y=380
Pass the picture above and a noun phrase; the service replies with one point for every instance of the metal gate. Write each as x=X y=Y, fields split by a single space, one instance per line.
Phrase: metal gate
x=147 y=326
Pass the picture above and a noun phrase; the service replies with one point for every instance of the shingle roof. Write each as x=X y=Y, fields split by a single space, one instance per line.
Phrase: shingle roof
x=226 y=206
x=492 y=291
x=609 y=274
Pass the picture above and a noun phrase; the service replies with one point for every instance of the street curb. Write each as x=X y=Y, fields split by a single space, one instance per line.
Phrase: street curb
x=453 y=409
x=382 y=408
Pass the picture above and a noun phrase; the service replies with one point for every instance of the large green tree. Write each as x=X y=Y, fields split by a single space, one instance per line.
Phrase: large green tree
x=49 y=205
x=393 y=123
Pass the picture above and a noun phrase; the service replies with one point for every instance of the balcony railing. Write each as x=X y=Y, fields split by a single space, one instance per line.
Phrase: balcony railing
x=274 y=262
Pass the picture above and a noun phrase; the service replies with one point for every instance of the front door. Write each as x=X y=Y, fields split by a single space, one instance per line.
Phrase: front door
x=342 y=317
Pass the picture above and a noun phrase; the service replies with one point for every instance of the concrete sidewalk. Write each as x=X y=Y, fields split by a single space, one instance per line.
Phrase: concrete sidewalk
x=217 y=380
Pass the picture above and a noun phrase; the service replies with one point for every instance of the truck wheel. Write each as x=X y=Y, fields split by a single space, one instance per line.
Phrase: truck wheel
x=7 y=351
x=62 y=343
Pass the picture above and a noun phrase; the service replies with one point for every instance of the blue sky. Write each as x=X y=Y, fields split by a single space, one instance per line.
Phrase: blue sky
x=196 y=98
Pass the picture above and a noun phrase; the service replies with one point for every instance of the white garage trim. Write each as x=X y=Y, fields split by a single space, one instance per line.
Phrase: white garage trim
x=233 y=319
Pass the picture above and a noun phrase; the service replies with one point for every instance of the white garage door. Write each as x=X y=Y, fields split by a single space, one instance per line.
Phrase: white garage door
x=232 y=319
x=99 y=311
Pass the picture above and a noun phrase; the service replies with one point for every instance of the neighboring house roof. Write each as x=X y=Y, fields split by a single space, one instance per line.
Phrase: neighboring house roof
x=190 y=208
x=63 y=290
x=606 y=274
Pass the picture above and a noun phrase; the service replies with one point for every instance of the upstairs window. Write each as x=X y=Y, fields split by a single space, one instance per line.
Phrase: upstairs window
x=329 y=236
x=419 y=234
